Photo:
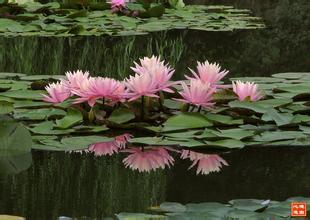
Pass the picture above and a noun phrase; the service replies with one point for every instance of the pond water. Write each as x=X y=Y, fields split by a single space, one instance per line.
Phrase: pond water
x=78 y=185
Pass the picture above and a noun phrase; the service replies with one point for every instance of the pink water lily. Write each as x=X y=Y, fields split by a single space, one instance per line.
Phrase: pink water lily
x=197 y=93
x=57 y=92
x=206 y=163
x=208 y=73
x=246 y=90
x=117 y=5
x=98 y=87
x=140 y=85
x=160 y=72
x=110 y=147
x=147 y=159
x=76 y=79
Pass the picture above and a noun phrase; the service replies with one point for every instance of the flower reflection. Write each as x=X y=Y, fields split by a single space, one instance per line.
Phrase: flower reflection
x=110 y=147
x=206 y=163
x=147 y=159
x=151 y=158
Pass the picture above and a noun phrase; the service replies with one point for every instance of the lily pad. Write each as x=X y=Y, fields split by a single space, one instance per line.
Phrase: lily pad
x=15 y=146
x=184 y=121
x=121 y=115
x=72 y=117
x=24 y=94
x=6 y=107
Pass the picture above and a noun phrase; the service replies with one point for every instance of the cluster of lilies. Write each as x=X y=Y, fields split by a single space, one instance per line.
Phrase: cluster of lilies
x=152 y=79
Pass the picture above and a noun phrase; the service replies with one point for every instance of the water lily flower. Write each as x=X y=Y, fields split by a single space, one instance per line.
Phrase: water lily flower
x=110 y=147
x=160 y=72
x=119 y=94
x=76 y=79
x=197 y=93
x=206 y=163
x=140 y=85
x=246 y=90
x=117 y=5
x=57 y=92
x=147 y=159
x=208 y=73
x=98 y=87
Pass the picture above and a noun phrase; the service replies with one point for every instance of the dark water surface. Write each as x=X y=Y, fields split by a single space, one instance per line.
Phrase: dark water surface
x=83 y=185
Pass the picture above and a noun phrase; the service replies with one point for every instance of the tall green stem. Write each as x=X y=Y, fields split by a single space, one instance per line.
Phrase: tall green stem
x=161 y=100
x=142 y=108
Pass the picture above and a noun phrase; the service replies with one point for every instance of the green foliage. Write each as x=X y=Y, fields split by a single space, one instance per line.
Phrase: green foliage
x=15 y=146
x=232 y=124
x=80 y=18
x=243 y=209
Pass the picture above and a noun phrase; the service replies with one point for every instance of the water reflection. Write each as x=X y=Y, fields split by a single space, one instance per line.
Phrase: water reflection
x=282 y=47
x=150 y=158
x=79 y=185
x=96 y=186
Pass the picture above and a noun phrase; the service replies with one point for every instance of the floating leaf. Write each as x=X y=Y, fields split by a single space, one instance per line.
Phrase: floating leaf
x=248 y=204
x=235 y=133
x=72 y=117
x=6 y=107
x=47 y=127
x=172 y=207
x=278 y=136
x=298 y=75
x=79 y=143
x=15 y=146
x=279 y=118
x=24 y=94
x=186 y=121
x=38 y=114
x=227 y=143
x=121 y=115
x=139 y=216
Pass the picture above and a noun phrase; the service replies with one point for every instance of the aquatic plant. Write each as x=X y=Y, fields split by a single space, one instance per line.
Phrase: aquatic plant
x=246 y=90
x=208 y=73
x=233 y=209
x=57 y=92
x=197 y=93
x=138 y=18
x=157 y=118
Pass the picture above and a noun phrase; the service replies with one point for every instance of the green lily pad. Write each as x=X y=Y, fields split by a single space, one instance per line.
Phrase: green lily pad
x=47 y=128
x=15 y=146
x=226 y=143
x=279 y=118
x=24 y=94
x=184 y=121
x=38 y=114
x=4 y=75
x=79 y=143
x=6 y=107
x=299 y=75
x=235 y=133
x=41 y=77
x=248 y=204
x=172 y=207
x=139 y=216
x=121 y=115
x=278 y=136
x=72 y=117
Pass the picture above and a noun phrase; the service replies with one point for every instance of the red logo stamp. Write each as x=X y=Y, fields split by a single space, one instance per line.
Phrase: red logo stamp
x=298 y=209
